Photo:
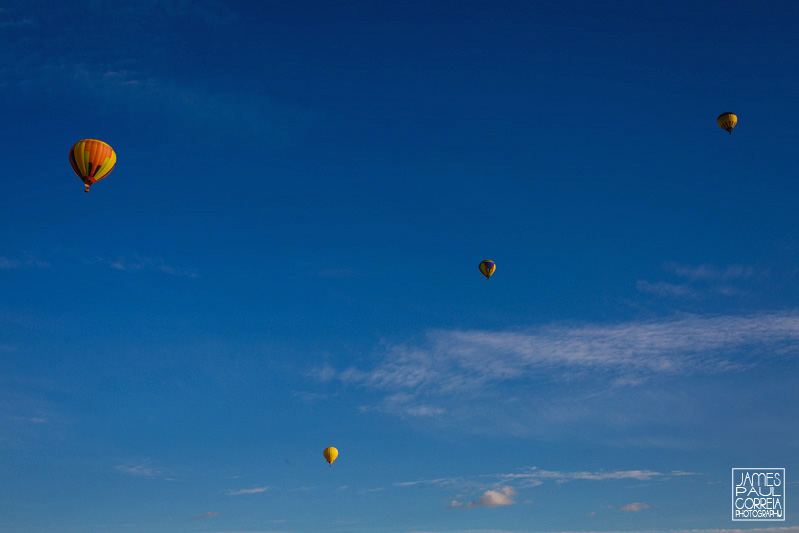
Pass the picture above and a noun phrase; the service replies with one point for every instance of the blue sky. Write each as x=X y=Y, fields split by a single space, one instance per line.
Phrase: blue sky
x=285 y=259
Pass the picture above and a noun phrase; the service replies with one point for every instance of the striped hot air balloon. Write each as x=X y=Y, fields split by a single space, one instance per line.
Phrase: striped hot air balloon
x=727 y=121
x=487 y=268
x=92 y=160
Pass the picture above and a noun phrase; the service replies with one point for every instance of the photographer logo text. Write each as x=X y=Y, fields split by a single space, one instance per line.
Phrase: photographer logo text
x=758 y=494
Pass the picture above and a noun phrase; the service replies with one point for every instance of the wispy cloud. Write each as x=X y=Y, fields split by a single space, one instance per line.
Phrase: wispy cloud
x=139 y=93
x=138 y=263
x=533 y=477
x=491 y=498
x=601 y=475
x=439 y=482
x=256 y=490
x=30 y=419
x=140 y=470
x=662 y=288
x=698 y=281
x=15 y=23
x=308 y=397
x=207 y=515
x=9 y=263
x=634 y=507
x=565 y=377
x=465 y=360
x=404 y=405
x=710 y=272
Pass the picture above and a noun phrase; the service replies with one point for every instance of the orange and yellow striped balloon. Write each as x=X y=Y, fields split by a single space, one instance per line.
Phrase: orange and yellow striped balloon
x=92 y=160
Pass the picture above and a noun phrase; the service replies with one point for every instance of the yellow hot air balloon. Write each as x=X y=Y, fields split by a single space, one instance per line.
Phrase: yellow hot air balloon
x=330 y=454
x=92 y=160
x=487 y=268
x=727 y=121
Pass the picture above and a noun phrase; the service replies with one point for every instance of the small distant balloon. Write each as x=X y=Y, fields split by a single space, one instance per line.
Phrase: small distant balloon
x=92 y=160
x=487 y=268
x=330 y=454
x=727 y=121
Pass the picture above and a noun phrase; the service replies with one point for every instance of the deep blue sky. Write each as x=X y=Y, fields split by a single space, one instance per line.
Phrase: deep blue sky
x=285 y=258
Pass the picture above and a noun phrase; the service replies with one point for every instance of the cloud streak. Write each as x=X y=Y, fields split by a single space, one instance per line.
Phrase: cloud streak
x=601 y=475
x=465 y=360
x=709 y=273
x=141 y=470
x=535 y=476
x=587 y=380
x=9 y=263
x=256 y=490
x=138 y=263
x=698 y=281
x=634 y=507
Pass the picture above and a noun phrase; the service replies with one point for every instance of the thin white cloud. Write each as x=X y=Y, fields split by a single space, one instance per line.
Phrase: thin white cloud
x=585 y=381
x=465 y=360
x=142 y=94
x=323 y=373
x=601 y=475
x=440 y=482
x=207 y=515
x=9 y=263
x=308 y=397
x=13 y=23
x=256 y=490
x=661 y=288
x=499 y=497
x=534 y=476
x=141 y=470
x=138 y=263
x=404 y=405
x=31 y=419
x=634 y=507
x=700 y=281
x=710 y=273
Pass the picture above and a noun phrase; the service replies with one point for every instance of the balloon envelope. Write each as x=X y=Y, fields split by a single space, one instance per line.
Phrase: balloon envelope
x=92 y=160
x=330 y=454
x=727 y=121
x=487 y=268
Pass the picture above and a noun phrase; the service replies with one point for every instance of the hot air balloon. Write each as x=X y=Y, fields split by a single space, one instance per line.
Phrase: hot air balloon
x=92 y=160
x=727 y=121
x=330 y=454
x=487 y=268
